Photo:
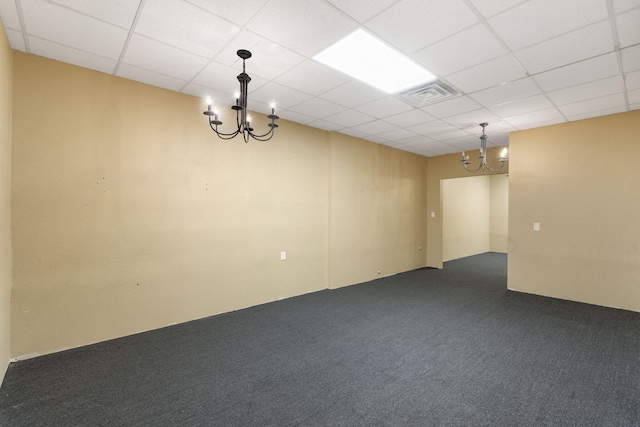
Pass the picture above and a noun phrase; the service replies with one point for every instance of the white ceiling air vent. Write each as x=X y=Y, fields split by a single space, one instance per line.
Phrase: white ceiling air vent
x=428 y=93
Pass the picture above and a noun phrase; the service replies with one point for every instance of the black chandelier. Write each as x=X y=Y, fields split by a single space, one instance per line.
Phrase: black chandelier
x=483 y=155
x=242 y=119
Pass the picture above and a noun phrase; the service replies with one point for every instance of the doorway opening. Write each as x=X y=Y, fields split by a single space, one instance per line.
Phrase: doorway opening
x=474 y=215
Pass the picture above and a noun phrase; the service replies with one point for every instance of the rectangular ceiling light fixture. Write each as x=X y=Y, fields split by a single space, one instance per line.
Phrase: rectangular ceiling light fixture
x=366 y=58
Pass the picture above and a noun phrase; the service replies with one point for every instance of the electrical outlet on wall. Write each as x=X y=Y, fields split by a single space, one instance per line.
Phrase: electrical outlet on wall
x=283 y=256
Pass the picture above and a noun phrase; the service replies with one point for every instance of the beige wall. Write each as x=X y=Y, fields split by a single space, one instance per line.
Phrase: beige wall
x=499 y=213
x=439 y=168
x=129 y=214
x=6 y=59
x=474 y=215
x=377 y=222
x=579 y=180
x=466 y=209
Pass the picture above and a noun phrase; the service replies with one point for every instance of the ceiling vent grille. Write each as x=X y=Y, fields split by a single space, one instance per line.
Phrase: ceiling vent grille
x=428 y=93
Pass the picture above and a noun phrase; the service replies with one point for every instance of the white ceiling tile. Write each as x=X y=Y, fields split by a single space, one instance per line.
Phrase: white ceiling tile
x=632 y=80
x=324 y=125
x=538 y=20
x=312 y=77
x=500 y=127
x=593 y=105
x=419 y=152
x=117 y=12
x=271 y=60
x=532 y=119
x=537 y=124
x=489 y=8
x=521 y=106
x=409 y=118
x=73 y=29
x=155 y=56
x=396 y=134
x=384 y=107
x=185 y=26
x=462 y=50
x=362 y=10
x=508 y=92
x=451 y=107
x=238 y=12
x=599 y=113
x=149 y=77
x=620 y=6
x=582 y=92
x=284 y=97
x=373 y=128
x=491 y=73
x=438 y=148
x=316 y=107
x=352 y=94
x=450 y=136
x=305 y=27
x=9 y=15
x=228 y=53
x=432 y=145
x=628 y=25
x=576 y=46
x=580 y=72
x=634 y=96
x=396 y=144
x=349 y=118
x=71 y=56
x=472 y=118
x=411 y=25
x=434 y=127
x=415 y=140
x=354 y=133
x=220 y=77
x=630 y=58
x=295 y=116
x=377 y=139
x=16 y=40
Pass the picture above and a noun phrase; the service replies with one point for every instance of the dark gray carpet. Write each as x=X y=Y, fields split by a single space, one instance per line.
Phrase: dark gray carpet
x=429 y=347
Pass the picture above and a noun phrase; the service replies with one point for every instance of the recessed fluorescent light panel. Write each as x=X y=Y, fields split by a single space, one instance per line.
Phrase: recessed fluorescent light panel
x=366 y=58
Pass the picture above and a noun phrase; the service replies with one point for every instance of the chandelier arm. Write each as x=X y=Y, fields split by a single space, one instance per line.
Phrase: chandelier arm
x=466 y=166
x=497 y=168
x=223 y=135
x=254 y=136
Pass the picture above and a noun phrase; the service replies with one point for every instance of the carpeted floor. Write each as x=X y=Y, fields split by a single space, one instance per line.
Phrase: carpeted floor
x=429 y=347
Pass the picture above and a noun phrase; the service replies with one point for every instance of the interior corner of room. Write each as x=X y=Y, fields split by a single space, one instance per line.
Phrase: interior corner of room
x=118 y=215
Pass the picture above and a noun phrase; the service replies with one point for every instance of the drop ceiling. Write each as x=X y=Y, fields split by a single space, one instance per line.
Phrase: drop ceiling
x=514 y=64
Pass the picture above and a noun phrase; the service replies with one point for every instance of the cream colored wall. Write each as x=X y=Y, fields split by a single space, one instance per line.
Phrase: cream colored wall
x=439 y=168
x=580 y=181
x=377 y=211
x=466 y=213
x=129 y=214
x=499 y=213
x=6 y=59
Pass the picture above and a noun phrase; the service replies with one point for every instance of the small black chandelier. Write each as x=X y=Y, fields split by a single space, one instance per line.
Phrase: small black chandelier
x=483 y=155
x=242 y=119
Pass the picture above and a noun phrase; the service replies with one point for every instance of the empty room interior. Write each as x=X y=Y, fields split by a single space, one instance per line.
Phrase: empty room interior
x=181 y=179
